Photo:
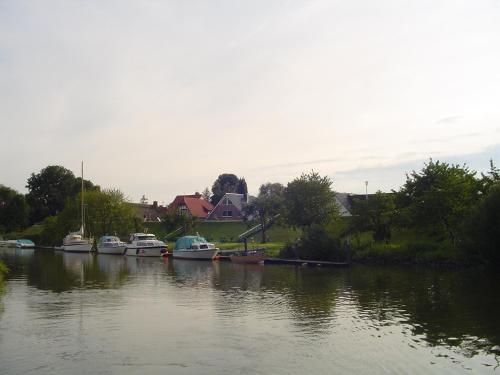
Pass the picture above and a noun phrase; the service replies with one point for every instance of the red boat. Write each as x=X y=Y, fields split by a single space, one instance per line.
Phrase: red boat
x=249 y=256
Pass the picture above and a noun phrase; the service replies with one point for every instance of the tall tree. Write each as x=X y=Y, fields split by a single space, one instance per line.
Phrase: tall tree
x=49 y=189
x=309 y=200
x=206 y=194
x=439 y=197
x=225 y=183
x=106 y=212
x=482 y=229
x=241 y=187
x=491 y=178
x=13 y=210
x=375 y=214
x=268 y=203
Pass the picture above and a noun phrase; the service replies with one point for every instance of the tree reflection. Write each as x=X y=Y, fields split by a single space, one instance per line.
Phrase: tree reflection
x=60 y=272
x=452 y=308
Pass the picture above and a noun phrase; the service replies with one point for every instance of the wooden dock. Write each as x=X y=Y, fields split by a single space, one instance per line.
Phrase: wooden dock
x=224 y=255
x=308 y=263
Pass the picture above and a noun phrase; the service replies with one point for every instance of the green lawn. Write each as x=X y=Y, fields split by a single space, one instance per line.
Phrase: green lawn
x=225 y=235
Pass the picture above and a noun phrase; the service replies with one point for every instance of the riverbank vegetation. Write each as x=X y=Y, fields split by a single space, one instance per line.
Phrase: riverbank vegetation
x=444 y=213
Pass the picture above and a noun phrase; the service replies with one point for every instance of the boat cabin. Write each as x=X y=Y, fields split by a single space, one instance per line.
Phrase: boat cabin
x=193 y=242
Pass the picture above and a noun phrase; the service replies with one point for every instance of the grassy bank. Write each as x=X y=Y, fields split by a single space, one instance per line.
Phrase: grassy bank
x=405 y=247
x=225 y=235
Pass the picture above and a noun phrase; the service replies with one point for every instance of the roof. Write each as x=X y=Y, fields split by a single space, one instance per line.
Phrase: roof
x=237 y=200
x=343 y=203
x=195 y=204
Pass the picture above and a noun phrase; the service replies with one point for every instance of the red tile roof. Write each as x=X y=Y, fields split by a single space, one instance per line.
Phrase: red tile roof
x=196 y=205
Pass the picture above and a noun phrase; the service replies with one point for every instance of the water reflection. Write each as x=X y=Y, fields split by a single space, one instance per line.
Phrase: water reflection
x=60 y=271
x=454 y=314
x=458 y=309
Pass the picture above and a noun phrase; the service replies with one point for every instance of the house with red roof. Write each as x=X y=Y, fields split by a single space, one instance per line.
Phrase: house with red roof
x=194 y=205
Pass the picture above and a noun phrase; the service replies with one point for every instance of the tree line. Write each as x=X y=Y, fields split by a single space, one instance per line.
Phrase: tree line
x=443 y=210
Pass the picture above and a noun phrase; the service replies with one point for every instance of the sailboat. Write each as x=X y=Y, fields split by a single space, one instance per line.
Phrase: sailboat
x=76 y=241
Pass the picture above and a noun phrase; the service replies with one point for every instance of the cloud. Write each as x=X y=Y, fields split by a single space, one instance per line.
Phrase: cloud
x=448 y=120
x=392 y=176
x=447 y=138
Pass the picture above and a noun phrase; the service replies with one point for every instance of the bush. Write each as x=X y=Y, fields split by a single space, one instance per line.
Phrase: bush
x=320 y=243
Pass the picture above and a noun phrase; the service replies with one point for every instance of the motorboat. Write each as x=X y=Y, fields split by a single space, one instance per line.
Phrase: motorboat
x=145 y=245
x=194 y=247
x=25 y=244
x=76 y=241
x=248 y=256
x=111 y=245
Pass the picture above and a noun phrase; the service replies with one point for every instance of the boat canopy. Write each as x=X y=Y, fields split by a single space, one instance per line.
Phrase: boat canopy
x=25 y=241
x=187 y=242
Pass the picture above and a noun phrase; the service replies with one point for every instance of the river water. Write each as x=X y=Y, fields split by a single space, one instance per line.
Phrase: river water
x=66 y=313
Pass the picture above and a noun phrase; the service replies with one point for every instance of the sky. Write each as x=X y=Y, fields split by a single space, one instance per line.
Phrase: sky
x=160 y=97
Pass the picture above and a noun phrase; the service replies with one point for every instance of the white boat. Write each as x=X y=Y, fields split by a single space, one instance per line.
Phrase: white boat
x=76 y=241
x=194 y=247
x=25 y=244
x=145 y=245
x=111 y=245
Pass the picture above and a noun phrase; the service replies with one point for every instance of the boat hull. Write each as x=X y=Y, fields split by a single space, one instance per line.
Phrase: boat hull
x=247 y=259
x=154 y=251
x=77 y=248
x=201 y=254
x=116 y=250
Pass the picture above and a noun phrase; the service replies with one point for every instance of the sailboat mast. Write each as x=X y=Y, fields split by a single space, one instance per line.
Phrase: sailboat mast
x=83 y=217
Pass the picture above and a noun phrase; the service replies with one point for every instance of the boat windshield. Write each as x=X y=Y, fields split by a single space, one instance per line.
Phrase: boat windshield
x=148 y=237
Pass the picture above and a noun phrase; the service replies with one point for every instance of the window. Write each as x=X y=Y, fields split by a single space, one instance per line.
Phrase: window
x=227 y=214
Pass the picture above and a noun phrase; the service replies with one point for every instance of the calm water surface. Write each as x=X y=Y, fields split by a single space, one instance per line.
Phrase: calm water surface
x=66 y=313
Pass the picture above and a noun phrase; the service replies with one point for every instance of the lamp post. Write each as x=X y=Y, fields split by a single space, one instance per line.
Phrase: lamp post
x=366 y=189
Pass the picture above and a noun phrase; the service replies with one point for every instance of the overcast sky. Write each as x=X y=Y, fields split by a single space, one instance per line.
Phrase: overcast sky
x=160 y=97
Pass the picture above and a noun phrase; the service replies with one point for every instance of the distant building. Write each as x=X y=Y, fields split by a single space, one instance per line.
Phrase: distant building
x=149 y=212
x=230 y=207
x=344 y=204
x=194 y=205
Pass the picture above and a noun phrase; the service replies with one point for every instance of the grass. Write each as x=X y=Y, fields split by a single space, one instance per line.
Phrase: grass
x=225 y=235
x=405 y=246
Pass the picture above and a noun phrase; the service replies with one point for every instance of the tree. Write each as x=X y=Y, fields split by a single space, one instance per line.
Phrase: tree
x=206 y=194
x=438 y=198
x=268 y=203
x=482 y=229
x=241 y=187
x=175 y=220
x=106 y=212
x=225 y=183
x=49 y=189
x=309 y=200
x=375 y=214
x=490 y=179
x=13 y=210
